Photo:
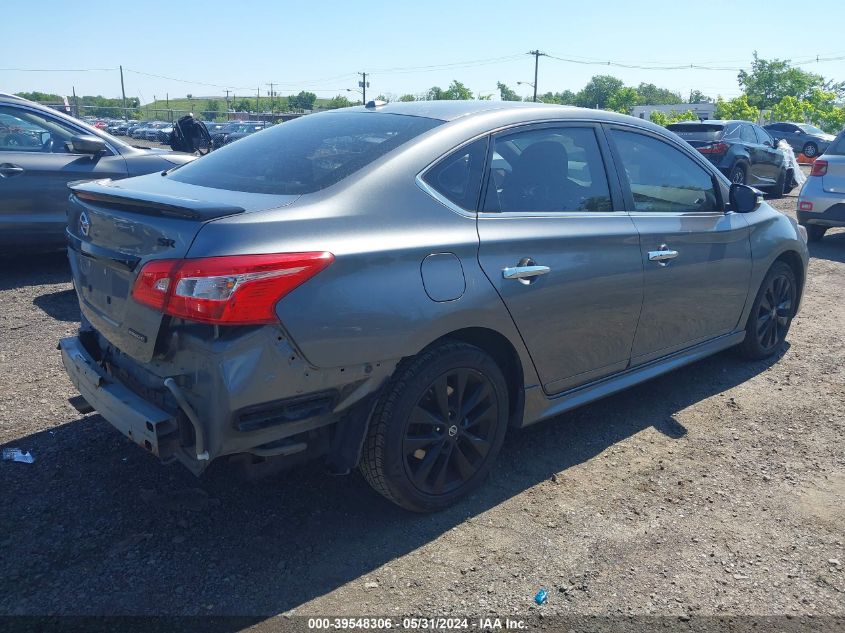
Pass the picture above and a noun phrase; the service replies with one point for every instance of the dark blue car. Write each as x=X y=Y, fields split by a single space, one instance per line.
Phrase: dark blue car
x=743 y=151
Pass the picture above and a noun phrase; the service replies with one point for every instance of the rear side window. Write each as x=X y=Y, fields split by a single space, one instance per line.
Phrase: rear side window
x=458 y=176
x=547 y=170
x=746 y=133
x=304 y=155
x=763 y=136
x=837 y=148
x=661 y=177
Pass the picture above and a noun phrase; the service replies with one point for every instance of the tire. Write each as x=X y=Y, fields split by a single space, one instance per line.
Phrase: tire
x=412 y=454
x=810 y=150
x=815 y=233
x=738 y=174
x=779 y=189
x=771 y=313
x=789 y=183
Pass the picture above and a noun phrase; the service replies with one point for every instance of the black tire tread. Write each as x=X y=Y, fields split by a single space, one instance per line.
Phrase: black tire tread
x=748 y=348
x=373 y=458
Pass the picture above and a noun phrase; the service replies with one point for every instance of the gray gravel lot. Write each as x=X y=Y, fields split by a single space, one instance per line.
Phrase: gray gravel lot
x=717 y=489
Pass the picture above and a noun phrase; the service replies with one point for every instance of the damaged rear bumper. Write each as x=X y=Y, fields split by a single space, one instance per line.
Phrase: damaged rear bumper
x=142 y=422
x=204 y=398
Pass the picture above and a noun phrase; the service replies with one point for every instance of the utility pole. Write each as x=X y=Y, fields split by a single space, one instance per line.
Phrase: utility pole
x=75 y=102
x=167 y=103
x=227 y=104
x=363 y=85
x=123 y=91
x=537 y=55
x=257 y=98
x=272 y=94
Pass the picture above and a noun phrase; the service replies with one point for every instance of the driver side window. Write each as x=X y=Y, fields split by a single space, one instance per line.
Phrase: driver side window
x=662 y=178
x=26 y=131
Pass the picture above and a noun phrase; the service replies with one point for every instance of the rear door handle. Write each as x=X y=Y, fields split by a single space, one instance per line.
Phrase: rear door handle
x=7 y=170
x=662 y=256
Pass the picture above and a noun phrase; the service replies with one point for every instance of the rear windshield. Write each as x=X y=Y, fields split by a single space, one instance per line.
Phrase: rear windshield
x=697 y=132
x=837 y=148
x=304 y=155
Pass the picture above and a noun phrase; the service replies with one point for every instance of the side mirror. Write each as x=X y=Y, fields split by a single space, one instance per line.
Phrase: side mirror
x=744 y=199
x=88 y=144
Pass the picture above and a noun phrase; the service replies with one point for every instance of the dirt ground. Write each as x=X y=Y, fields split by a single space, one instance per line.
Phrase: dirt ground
x=717 y=489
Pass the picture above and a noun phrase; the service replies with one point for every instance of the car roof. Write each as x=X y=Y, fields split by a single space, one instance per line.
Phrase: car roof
x=451 y=110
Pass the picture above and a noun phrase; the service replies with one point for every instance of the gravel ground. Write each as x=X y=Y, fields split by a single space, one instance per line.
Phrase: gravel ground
x=717 y=489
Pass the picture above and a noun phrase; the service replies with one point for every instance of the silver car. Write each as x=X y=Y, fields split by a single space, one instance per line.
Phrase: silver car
x=394 y=286
x=821 y=203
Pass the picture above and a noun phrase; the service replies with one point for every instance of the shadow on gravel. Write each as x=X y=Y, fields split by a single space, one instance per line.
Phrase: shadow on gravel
x=61 y=305
x=30 y=270
x=96 y=526
x=832 y=247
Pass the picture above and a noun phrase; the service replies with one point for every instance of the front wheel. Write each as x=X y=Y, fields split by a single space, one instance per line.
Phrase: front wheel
x=738 y=175
x=771 y=314
x=815 y=232
x=437 y=428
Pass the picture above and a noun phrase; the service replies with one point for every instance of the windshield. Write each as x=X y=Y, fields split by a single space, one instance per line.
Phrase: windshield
x=811 y=129
x=304 y=155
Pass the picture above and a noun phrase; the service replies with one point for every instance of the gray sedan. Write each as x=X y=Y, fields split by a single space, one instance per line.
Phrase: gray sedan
x=802 y=137
x=41 y=150
x=394 y=286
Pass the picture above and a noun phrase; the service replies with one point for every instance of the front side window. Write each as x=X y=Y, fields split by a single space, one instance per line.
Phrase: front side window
x=763 y=136
x=663 y=178
x=458 y=176
x=548 y=170
x=22 y=130
x=304 y=155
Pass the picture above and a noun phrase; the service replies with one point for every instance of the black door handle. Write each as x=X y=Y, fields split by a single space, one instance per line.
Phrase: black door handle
x=7 y=170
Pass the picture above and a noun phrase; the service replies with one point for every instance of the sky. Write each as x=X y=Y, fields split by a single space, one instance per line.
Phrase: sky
x=406 y=47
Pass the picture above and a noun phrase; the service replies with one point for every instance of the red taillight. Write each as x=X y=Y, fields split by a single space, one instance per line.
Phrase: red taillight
x=231 y=290
x=819 y=168
x=715 y=148
x=805 y=205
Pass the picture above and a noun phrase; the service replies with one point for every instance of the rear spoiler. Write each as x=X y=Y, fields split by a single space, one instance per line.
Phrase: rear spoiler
x=102 y=193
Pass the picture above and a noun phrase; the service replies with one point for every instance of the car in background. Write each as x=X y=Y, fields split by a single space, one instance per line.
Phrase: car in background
x=163 y=133
x=399 y=285
x=235 y=131
x=802 y=137
x=821 y=203
x=40 y=152
x=134 y=125
x=154 y=128
x=741 y=150
x=215 y=127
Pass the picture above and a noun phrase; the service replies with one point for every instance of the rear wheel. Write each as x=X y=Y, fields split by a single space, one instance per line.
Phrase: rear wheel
x=738 y=175
x=810 y=150
x=815 y=232
x=772 y=312
x=789 y=182
x=437 y=428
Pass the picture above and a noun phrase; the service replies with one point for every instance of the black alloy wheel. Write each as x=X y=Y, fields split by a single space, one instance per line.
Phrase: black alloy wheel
x=450 y=431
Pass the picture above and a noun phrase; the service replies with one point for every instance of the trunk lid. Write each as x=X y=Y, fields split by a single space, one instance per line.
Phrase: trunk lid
x=114 y=228
x=834 y=180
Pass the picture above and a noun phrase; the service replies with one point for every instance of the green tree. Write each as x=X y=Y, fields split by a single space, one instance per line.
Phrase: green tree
x=506 y=94
x=212 y=109
x=407 y=97
x=737 y=108
x=790 y=109
x=41 y=97
x=673 y=116
x=649 y=94
x=456 y=90
x=303 y=101
x=696 y=96
x=598 y=91
x=771 y=80
x=242 y=105
x=622 y=100
x=338 y=102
